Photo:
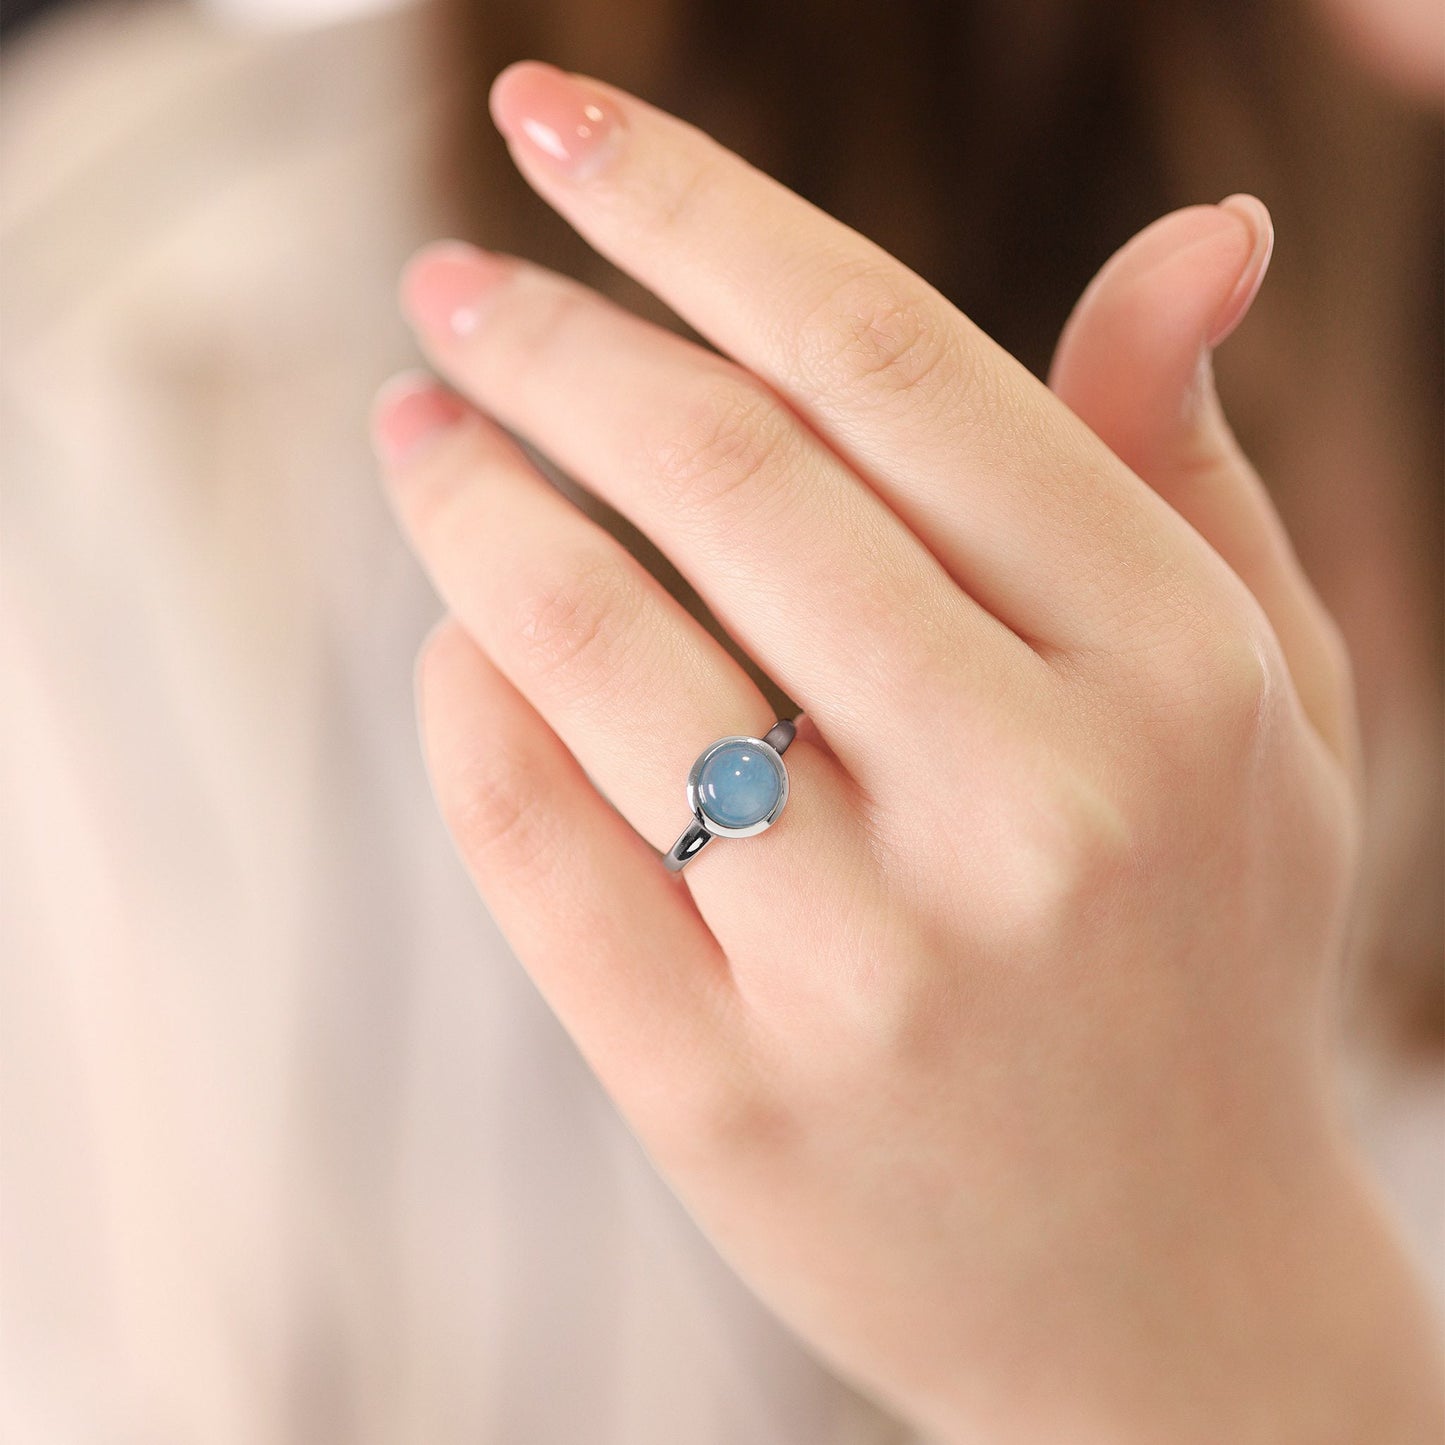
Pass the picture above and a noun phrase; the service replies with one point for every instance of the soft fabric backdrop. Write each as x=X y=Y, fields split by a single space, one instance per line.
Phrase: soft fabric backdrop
x=292 y=1151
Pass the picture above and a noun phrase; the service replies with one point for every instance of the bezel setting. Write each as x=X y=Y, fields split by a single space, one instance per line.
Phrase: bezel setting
x=694 y=787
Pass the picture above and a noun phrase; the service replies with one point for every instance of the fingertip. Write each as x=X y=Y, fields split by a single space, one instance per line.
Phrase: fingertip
x=1259 y=224
x=509 y=84
x=444 y=287
x=1133 y=360
x=1254 y=213
x=443 y=251
x=410 y=411
x=564 y=121
x=1155 y=297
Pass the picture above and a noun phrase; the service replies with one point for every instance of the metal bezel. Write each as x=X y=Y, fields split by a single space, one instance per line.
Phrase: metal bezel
x=694 y=778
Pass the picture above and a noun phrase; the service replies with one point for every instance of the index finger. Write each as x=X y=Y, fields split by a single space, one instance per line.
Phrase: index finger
x=1028 y=510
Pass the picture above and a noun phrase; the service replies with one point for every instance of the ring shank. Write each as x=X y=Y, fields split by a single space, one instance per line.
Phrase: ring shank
x=694 y=837
x=780 y=735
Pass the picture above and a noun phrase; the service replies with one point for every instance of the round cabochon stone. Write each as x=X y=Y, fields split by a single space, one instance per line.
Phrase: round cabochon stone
x=739 y=785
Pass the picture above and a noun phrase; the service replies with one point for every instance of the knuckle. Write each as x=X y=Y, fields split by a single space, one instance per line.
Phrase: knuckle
x=539 y=323
x=1068 y=854
x=875 y=334
x=1236 y=686
x=720 y=443
x=676 y=194
x=1212 y=697
x=490 y=808
x=568 y=620
x=722 y=1112
x=900 y=1008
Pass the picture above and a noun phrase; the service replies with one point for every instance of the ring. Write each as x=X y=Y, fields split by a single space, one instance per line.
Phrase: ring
x=736 y=788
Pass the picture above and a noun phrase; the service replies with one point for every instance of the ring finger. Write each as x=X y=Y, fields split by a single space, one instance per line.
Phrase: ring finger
x=632 y=684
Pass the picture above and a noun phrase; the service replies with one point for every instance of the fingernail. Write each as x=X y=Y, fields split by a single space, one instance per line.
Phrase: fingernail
x=1254 y=215
x=566 y=122
x=411 y=412
x=446 y=287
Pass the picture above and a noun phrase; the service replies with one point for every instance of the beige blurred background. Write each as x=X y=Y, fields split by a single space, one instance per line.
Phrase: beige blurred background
x=289 y=1149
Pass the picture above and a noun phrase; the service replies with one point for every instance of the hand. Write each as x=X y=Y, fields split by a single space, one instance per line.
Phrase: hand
x=998 y=1065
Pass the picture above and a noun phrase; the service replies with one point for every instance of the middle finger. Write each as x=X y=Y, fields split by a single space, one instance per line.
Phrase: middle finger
x=799 y=559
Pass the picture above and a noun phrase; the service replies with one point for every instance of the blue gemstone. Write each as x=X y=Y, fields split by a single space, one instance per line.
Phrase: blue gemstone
x=739 y=785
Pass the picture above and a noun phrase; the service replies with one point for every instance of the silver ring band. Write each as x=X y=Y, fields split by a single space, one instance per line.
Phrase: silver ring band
x=736 y=789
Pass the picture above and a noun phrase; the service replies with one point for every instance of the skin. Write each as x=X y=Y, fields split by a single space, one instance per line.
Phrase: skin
x=999 y=1065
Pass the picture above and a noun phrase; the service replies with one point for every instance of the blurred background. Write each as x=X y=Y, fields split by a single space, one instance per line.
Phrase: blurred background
x=289 y=1149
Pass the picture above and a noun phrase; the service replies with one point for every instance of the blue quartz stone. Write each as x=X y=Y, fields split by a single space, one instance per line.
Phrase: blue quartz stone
x=739 y=785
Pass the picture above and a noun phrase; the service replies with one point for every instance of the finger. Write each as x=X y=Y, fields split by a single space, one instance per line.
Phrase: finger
x=617 y=950
x=1018 y=500
x=1134 y=361
x=631 y=683
x=803 y=564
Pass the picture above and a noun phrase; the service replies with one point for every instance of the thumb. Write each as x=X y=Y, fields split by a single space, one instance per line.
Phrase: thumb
x=1135 y=363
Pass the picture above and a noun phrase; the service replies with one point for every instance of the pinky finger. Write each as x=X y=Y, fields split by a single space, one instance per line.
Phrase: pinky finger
x=616 y=947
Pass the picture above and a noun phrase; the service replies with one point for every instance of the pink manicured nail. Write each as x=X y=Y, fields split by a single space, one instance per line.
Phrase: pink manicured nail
x=446 y=287
x=1255 y=216
x=563 y=120
x=412 y=411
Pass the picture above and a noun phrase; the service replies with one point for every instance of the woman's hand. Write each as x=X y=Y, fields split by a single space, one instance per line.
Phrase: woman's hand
x=998 y=1066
